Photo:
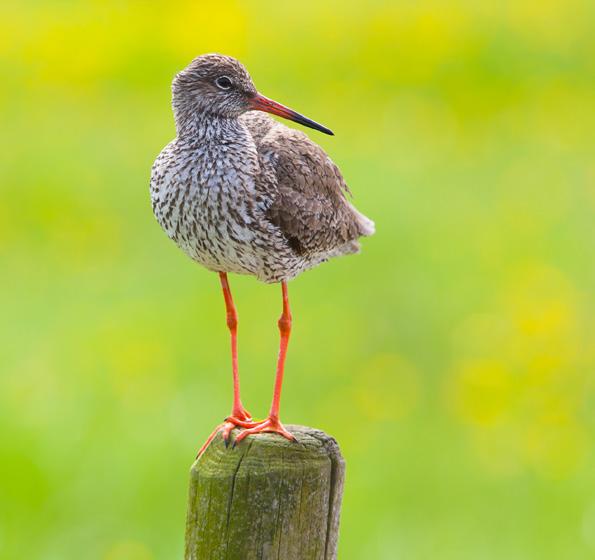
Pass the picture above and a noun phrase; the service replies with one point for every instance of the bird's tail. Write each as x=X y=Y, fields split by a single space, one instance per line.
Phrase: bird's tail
x=366 y=226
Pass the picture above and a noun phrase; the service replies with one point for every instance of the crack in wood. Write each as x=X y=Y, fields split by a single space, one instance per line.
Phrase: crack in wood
x=245 y=514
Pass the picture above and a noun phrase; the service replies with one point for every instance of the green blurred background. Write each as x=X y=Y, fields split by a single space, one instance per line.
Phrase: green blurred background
x=453 y=359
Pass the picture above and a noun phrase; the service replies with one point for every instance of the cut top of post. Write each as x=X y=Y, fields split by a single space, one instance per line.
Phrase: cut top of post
x=266 y=498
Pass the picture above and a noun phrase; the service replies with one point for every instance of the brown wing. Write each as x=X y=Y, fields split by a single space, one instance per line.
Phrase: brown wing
x=309 y=203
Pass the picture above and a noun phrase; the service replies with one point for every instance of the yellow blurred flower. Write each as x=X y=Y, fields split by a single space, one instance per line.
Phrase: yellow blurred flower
x=485 y=390
x=520 y=382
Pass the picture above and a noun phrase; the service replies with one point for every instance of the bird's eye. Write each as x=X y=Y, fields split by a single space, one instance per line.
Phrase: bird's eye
x=223 y=82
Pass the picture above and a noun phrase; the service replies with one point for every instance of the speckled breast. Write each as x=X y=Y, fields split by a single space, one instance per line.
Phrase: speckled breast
x=208 y=203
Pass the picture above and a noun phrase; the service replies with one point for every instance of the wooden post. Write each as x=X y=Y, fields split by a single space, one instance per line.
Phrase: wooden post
x=266 y=498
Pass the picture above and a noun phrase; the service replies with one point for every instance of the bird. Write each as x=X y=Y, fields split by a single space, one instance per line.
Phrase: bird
x=242 y=193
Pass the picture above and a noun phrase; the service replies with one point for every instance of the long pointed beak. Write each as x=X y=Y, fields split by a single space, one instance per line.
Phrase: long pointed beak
x=262 y=103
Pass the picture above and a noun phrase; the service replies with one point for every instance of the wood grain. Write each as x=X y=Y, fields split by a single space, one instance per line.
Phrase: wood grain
x=268 y=498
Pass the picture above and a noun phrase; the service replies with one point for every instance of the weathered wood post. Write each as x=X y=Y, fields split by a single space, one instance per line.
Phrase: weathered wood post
x=266 y=498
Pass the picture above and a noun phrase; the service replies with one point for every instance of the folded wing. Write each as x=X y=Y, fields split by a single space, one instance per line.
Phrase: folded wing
x=309 y=206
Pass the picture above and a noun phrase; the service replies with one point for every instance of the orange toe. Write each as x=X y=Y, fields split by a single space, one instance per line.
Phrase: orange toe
x=209 y=440
x=270 y=425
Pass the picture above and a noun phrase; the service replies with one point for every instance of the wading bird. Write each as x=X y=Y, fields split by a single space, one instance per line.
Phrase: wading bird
x=240 y=192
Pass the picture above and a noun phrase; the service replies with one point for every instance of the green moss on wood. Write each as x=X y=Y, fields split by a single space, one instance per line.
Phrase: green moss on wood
x=268 y=498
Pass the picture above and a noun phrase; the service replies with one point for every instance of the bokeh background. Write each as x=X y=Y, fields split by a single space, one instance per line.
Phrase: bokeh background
x=453 y=359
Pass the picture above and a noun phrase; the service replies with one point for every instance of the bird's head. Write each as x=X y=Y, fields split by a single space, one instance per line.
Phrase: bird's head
x=220 y=85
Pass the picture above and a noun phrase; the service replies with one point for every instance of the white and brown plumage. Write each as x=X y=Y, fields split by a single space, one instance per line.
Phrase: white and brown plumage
x=240 y=192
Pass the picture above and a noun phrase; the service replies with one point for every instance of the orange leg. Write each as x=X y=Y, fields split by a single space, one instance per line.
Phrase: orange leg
x=239 y=415
x=237 y=411
x=272 y=423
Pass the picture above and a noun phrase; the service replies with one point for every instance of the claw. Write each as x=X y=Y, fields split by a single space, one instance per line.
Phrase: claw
x=238 y=418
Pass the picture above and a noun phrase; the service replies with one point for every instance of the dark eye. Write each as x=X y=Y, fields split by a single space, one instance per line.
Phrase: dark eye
x=223 y=82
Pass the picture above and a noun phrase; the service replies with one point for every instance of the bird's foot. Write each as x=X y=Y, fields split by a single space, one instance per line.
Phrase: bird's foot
x=241 y=414
x=271 y=425
x=239 y=417
x=209 y=440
